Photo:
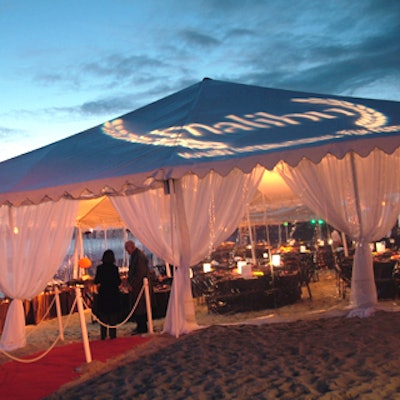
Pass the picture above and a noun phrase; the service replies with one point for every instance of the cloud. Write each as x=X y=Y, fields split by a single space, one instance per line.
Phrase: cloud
x=354 y=67
x=104 y=106
x=367 y=56
x=279 y=48
x=351 y=47
x=121 y=66
x=197 y=39
x=240 y=33
x=10 y=134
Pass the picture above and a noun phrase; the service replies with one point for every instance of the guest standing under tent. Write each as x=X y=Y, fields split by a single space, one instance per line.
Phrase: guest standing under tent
x=108 y=300
x=138 y=270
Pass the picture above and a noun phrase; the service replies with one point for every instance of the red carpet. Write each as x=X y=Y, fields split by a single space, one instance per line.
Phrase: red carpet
x=39 y=379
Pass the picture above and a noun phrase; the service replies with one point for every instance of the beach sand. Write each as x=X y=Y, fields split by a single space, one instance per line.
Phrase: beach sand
x=308 y=350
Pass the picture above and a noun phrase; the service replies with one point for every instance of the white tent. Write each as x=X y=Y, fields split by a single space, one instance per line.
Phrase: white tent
x=181 y=171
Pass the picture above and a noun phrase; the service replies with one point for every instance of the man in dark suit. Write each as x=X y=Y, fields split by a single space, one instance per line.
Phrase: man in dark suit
x=138 y=270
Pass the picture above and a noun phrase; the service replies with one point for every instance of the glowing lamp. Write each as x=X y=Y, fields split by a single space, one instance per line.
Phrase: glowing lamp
x=84 y=263
x=207 y=267
x=276 y=260
x=245 y=269
x=380 y=247
x=241 y=265
x=303 y=249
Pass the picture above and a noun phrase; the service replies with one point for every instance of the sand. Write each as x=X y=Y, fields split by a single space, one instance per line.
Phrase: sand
x=309 y=350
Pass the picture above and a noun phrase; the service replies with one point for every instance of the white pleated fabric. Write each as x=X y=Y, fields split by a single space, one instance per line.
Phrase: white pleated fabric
x=35 y=240
x=182 y=223
x=358 y=196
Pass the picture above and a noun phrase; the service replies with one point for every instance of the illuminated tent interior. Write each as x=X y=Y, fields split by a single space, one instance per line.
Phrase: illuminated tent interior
x=181 y=172
x=98 y=213
x=274 y=203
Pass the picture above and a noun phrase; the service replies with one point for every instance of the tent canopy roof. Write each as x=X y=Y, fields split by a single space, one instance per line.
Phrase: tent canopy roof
x=209 y=125
x=98 y=213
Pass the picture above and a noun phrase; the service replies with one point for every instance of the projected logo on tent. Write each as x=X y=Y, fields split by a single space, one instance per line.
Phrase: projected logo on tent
x=195 y=136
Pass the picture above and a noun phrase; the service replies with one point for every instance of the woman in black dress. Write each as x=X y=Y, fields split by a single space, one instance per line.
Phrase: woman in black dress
x=108 y=299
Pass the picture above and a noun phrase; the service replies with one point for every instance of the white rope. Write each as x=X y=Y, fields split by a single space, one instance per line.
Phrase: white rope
x=126 y=319
x=39 y=357
x=44 y=315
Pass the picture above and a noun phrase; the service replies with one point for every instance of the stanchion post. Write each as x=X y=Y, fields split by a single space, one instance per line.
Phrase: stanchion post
x=59 y=315
x=148 y=305
x=85 y=337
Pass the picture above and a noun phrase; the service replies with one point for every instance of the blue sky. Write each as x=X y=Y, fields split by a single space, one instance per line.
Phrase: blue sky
x=67 y=66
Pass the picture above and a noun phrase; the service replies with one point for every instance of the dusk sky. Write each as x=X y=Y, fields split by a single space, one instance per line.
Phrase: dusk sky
x=67 y=66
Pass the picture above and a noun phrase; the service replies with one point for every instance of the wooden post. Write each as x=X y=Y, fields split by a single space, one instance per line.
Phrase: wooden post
x=59 y=315
x=85 y=337
x=148 y=305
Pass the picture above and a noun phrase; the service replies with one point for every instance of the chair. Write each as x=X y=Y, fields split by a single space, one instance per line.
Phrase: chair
x=344 y=269
x=308 y=260
x=384 y=279
x=293 y=263
x=306 y=274
x=241 y=295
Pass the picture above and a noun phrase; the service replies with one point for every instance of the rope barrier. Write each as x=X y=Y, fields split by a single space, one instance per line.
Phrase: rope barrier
x=70 y=313
x=42 y=355
x=44 y=315
x=31 y=360
x=97 y=319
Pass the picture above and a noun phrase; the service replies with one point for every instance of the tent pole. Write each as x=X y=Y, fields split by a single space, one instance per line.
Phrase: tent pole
x=267 y=234
x=253 y=251
x=168 y=270
x=78 y=251
x=356 y=195
x=280 y=234
x=344 y=241
x=175 y=280
x=76 y=256
x=125 y=261
x=269 y=244
x=267 y=237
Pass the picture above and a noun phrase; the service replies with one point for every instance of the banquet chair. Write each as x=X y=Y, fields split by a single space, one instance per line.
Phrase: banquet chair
x=343 y=268
x=306 y=274
x=293 y=263
x=308 y=260
x=385 y=282
x=290 y=263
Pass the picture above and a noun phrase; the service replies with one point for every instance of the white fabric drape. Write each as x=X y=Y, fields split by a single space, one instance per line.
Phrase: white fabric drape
x=358 y=196
x=35 y=241
x=183 y=227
